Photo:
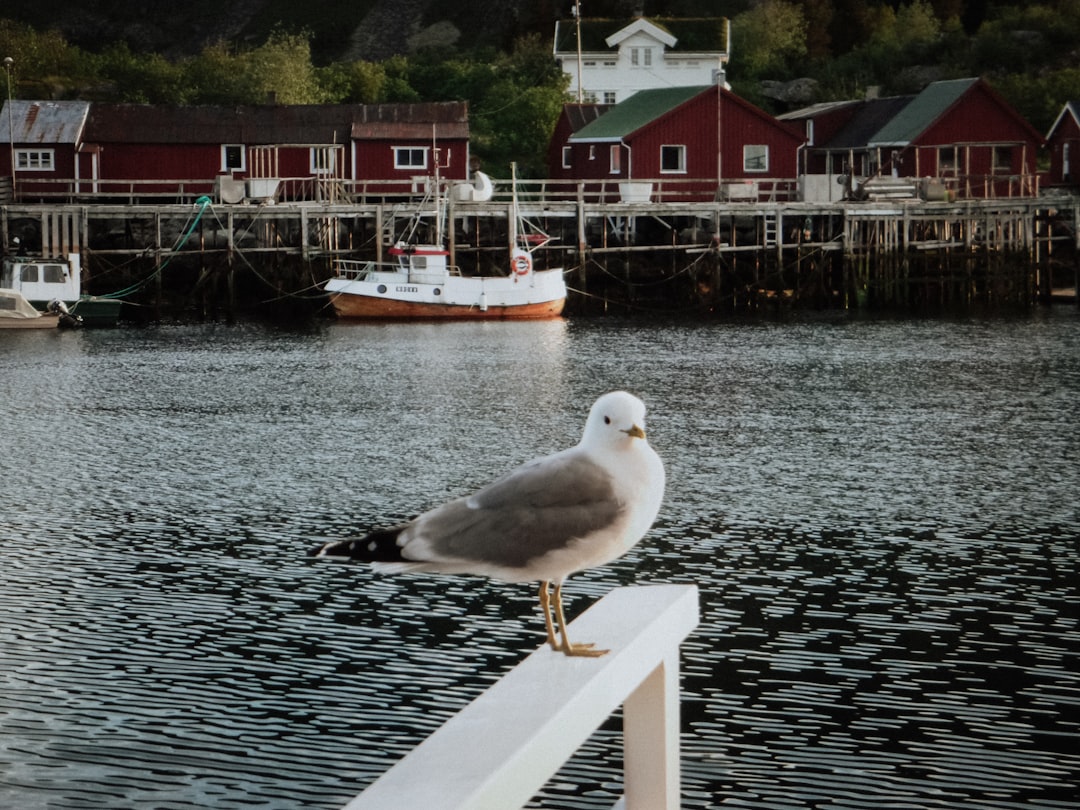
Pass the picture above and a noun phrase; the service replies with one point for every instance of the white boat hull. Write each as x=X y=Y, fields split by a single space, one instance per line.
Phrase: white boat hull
x=393 y=295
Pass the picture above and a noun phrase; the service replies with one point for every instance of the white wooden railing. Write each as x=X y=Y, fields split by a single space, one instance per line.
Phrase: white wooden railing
x=503 y=747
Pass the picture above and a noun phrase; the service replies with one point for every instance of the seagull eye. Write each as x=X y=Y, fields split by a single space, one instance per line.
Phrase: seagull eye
x=607 y=420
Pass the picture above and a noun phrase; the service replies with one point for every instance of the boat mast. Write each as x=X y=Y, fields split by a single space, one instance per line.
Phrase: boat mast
x=439 y=213
x=515 y=211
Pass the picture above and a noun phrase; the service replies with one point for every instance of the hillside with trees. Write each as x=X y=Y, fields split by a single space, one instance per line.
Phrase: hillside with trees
x=496 y=54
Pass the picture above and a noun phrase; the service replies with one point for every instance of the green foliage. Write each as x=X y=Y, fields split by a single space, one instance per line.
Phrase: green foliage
x=1028 y=51
x=769 y=39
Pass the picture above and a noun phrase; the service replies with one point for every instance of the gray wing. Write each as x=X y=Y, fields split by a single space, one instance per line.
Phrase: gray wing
x=537 y=508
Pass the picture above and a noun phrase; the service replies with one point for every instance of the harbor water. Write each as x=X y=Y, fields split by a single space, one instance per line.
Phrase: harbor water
x=882 y=517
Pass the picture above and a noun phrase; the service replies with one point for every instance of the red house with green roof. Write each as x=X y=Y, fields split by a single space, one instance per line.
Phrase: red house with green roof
x=959 y=137
x=685 y=143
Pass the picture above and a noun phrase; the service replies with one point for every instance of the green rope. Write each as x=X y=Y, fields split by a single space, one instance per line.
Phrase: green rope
x=203 y=203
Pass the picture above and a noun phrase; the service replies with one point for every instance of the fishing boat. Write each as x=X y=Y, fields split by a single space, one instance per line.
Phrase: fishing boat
x=18 y=313
x=420 y=281
x=43 y=281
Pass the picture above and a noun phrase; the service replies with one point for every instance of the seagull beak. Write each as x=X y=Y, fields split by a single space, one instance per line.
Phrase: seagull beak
x=635 y=432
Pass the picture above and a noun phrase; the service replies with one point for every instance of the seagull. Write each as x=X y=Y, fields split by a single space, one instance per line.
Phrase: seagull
x=575 y=509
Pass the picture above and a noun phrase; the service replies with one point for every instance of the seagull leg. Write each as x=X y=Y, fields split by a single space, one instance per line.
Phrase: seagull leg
x=584 y=650
x=545 y=605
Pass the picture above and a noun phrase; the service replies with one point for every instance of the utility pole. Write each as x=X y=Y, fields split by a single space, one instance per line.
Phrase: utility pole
x=9 y=63
x=577 y=20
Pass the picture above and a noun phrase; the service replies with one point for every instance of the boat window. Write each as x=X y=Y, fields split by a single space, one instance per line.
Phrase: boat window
x=29 y=274
x=420 y=262
x=7 y=303
x=54 y=273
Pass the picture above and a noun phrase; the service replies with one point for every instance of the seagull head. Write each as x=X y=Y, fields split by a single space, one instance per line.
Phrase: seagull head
x=614 y=418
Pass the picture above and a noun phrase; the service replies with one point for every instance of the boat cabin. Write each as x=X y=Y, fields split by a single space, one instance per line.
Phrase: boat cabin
x=43 y=280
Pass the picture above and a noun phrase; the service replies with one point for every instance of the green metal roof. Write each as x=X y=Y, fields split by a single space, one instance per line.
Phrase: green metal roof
x=631 y=115
x=924 y=110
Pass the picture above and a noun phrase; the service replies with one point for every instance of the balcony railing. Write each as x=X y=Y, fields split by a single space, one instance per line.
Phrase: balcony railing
x=504 y=746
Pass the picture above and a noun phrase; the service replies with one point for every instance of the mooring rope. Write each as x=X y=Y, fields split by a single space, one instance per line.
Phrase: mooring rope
x=203 y=203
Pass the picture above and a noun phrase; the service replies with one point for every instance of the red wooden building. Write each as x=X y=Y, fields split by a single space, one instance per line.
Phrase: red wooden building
x=1063 y=141
x=959 y=137
x=323 y=152
x=682 y=143
x=45 y=138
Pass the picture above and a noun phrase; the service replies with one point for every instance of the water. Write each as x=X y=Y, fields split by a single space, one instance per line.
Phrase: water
x=882 y=517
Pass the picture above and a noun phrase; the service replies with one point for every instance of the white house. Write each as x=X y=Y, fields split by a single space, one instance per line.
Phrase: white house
x=610 y=60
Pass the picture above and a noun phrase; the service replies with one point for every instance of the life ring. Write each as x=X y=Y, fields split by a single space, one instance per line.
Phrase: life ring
x=522 y=264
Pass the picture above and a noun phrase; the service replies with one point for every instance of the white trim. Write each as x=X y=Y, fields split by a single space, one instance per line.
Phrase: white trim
x=225 y=167
x=641 y=26
x=45 y=160
x=410 y=166
x=682 y=158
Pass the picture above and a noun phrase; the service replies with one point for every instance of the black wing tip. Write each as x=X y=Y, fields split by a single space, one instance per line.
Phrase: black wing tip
x=379 y=546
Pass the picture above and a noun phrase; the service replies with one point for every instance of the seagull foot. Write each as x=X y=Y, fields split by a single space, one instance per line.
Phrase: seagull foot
x=582 y=650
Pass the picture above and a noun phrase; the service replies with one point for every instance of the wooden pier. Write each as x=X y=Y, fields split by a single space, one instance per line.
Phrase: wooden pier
x=661 y=257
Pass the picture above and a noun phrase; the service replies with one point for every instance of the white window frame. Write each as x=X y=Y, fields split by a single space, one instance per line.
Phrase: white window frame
x=225 y=167
x=567 y=157
x=403 y=157
x=681 y=155
x=314 y=165
x=615 y=159
x=609 y=97
x=35 y=160
x=755 y=158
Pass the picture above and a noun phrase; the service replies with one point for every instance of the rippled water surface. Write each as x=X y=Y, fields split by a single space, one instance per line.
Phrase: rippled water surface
x=882 y=518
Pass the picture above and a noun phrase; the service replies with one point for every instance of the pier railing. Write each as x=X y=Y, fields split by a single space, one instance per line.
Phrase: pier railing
x=502 y=748
x=659 y=190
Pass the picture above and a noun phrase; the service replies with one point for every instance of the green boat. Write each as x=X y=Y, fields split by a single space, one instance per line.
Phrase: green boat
x=42 y=281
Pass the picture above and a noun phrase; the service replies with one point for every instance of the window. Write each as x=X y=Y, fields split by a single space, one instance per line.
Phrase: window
x=609 y=96
x=233 y=158
x=410 y=157
x=323 y=160
x=946 y=160
x=755 y=158
x=615 y=159
x=673 y=159
x=1002 y=160
x=29 y=274
x=592 y=152
x=54 y=273
x=635 y=56
x=34 y=160
x=567 y=157
x=647 y=55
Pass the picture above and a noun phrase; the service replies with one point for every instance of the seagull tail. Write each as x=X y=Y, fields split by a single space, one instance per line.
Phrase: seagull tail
x=380 y=546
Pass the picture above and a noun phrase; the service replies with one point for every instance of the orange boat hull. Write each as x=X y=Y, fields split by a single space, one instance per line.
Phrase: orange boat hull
x=361 y=306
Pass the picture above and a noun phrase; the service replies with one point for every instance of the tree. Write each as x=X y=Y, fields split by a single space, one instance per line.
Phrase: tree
x=767 y=39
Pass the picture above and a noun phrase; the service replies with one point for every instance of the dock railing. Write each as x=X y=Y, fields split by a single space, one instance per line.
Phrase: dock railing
x=500 y=750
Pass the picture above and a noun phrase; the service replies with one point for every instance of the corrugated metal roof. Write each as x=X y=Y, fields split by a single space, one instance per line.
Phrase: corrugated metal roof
x=921 y=112
x=692 y=35
x=267 y=125
x=631 y=115
x=815 y=110
x=579 y=116
x=866 y=121
x=43 y=122
x=412 y=121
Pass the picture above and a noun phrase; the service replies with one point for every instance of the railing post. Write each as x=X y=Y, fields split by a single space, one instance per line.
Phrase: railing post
x=651 y=740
